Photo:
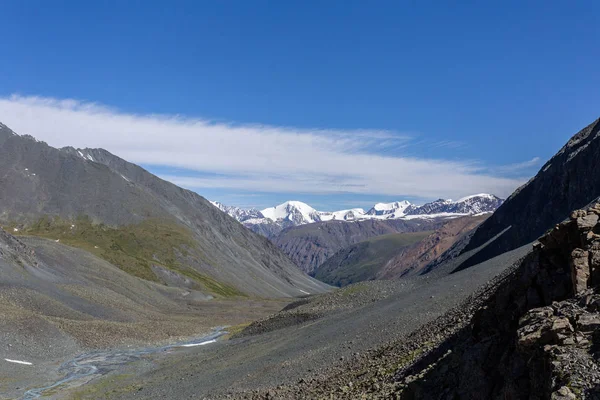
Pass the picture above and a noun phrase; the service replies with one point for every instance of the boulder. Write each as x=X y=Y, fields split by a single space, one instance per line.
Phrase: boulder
x=580 y=270
x=588 y=322
x=595 y=209
x=595 y=266
x=587 y=222
x=564 y=393
x=561 y=326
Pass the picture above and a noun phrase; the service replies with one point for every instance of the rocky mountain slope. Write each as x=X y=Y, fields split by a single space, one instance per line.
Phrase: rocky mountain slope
x=566 y=182
x=415 y=258
x=531 y=332
x=273 y=220
x=311 y=245
x=394 y=255
x=146 y=226
x=363 y=261
x=537 y=337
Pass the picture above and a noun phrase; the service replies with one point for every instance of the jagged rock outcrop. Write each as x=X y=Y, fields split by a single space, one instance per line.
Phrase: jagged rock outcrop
x=536 y=337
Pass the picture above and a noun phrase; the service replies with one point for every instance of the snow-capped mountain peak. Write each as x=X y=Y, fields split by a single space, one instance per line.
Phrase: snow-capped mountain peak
x=240 y=214
x=396 y=208
x=342 y=215
x=294 y=213
x=469 y=205
x=477 y=196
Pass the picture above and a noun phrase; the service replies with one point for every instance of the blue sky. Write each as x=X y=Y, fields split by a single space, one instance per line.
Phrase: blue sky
x=338 y=104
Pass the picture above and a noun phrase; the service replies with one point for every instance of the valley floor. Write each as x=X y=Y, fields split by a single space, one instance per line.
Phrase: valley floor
x=70 y=302
x=322 y=340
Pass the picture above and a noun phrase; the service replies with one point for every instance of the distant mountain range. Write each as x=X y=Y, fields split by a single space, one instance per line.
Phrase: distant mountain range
x=271 y=221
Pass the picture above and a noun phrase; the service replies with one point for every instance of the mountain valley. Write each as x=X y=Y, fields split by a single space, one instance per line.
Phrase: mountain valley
x=124 y=260
x=310 y=237
x=296 y=200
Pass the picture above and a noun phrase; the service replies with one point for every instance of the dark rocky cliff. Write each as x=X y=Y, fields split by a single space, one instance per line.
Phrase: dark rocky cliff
x=568 y=181
x=536 y=337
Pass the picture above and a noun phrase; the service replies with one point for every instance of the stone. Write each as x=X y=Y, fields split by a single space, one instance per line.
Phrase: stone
x=586 y=299
x=536 y=315
x=595 y=267
x=568 y=341
x=561 y=326
x=591 y=236
x=587 y=222
x=588 y=322
x=578 y=213
x=580 y=270
x=564 y=393
x=595 y=208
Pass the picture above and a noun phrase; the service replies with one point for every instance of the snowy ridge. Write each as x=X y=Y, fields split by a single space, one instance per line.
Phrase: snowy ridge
x=342 y=215
x=294 y=213
x=397 y=208
x=238 y=213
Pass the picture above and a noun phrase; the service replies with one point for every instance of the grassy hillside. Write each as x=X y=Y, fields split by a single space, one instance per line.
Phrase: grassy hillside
x=134 y=248
x=362 y=261
x=152 y=228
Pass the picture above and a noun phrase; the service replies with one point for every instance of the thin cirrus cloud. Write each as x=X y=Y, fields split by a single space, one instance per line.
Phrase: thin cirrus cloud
x=254 y=158
x=518 y=167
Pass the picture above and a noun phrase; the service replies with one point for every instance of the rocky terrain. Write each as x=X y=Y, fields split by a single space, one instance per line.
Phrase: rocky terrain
x=566 y=182
x=530 y=332
x=146 y=226
x=415 y=258
x=537 y=335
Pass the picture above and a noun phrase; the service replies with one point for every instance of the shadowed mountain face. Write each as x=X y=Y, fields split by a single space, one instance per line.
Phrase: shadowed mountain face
x=568 y=181
x=115 y=196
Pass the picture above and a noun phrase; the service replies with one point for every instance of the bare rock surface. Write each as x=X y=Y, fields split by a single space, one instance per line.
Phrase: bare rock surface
x=568 y=181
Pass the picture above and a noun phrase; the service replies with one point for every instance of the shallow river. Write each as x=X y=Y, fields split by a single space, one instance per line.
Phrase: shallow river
x=84 y=367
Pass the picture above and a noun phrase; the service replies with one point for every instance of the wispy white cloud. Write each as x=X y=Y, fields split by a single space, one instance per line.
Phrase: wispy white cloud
x=253 y=157
x=517 y=168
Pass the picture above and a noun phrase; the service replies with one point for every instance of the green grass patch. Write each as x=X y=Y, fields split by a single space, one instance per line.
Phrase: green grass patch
x=362 y=261
x=132 y=248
